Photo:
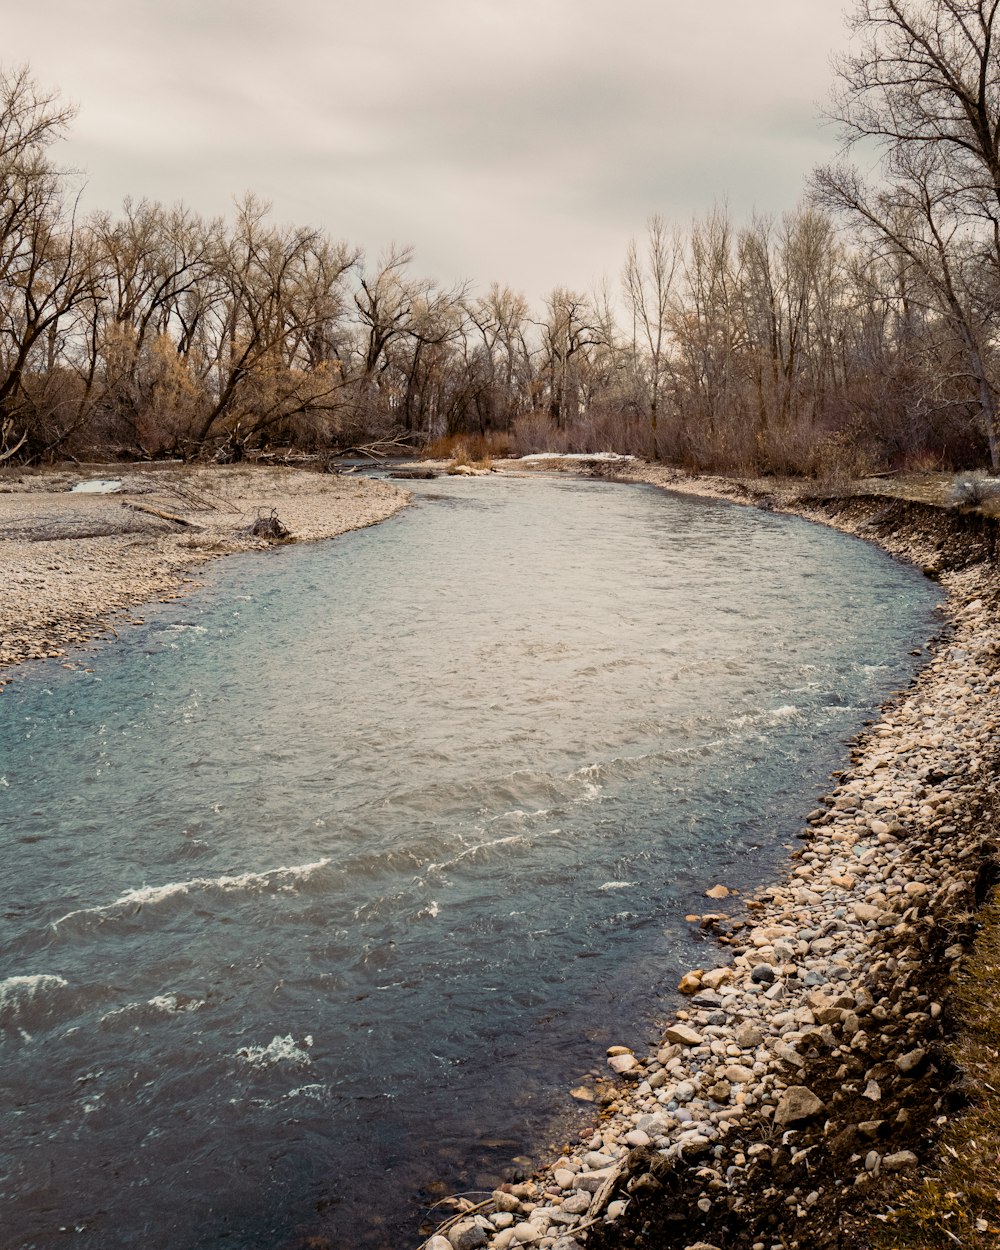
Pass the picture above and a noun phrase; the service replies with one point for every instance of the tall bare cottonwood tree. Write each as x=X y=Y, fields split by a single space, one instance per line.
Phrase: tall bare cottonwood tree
x=648 y=282
x=925 y=82
x=44 y=275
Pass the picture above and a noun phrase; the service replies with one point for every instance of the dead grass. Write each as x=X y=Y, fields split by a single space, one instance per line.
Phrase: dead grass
x=476 y=450
x=958 y=1204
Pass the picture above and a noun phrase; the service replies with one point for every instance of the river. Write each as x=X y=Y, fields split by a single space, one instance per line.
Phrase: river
x=323 y=886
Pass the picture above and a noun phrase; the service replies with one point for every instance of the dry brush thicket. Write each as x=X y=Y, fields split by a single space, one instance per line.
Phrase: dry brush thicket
x=857 y=332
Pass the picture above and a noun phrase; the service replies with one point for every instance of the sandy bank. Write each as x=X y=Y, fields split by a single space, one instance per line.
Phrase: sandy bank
x=795 y=1100
x=70 y=562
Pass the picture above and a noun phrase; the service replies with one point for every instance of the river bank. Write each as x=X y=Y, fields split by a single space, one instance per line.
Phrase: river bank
x=796 y=1101
x=71 y=563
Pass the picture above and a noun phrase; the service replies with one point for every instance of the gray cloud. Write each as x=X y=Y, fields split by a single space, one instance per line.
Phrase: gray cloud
x=516 y=141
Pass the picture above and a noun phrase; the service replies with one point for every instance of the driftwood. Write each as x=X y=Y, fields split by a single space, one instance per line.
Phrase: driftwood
x=269 y=527
x=289 y=457
x=594 y=1214
x=164 y=516
x=603 y=1196
x=379 y=450
x=12 y=451
x=199 y=500
x=457 y=1218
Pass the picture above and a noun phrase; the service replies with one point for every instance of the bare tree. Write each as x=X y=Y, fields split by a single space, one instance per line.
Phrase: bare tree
x=384 y=302
x=789 y=291
x=498 y=363
x=403 y=328
x=648 y=281
x=43 y=275
x=266 y=304
x=567 y=333
x=925 y=82
x=927 y=74
x=151 y=263
x=706 y=334
x=913 y=219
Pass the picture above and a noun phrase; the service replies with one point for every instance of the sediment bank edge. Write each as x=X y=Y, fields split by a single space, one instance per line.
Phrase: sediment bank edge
x=802 y=1087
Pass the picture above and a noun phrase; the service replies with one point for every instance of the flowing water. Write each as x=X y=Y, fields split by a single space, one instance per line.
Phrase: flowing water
x=323 y=886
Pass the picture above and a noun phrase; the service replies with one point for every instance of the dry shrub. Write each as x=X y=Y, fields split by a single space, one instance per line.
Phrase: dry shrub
x=790 y=450
x=269 y=527
x=171 y=400
x=612 y=427
x=973 y=490
x=716 y=447
x=536 y=431
x=463 y=457
x=840 y=459
x=477 y=449
x=52 y=417
x=924 y=462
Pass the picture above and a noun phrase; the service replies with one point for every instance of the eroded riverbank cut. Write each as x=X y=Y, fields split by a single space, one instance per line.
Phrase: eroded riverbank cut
x=364 y=849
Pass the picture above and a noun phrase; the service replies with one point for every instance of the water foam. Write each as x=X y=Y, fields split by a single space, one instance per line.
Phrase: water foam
x=278 y=1050
x=167 y=1004
x=477 y=848
x=171 y=1004
x=618 y=885
x=17 y=993
x=591 y=789
x=284 y=879
x=518 y=813
x=316 y=1091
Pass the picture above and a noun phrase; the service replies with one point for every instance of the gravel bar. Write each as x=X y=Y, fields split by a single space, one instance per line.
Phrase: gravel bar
x=71 y=563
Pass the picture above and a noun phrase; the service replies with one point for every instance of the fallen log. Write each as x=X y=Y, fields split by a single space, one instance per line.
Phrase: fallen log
x=379 y=450
x=164 y=516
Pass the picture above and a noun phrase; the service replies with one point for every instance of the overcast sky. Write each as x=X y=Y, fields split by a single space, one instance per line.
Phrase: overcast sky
x=514 y=140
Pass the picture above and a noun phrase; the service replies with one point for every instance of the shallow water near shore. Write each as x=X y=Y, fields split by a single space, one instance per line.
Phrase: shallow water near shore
x=324 y=885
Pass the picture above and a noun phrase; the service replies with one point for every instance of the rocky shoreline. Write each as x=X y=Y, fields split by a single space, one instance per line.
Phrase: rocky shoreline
x=799 y=1092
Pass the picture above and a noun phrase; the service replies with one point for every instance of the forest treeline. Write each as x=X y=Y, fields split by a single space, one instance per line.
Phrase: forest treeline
x=856 y=332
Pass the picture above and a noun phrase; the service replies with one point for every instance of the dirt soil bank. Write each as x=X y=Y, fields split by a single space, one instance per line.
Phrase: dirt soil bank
x=69 y=562
x=798 y=1099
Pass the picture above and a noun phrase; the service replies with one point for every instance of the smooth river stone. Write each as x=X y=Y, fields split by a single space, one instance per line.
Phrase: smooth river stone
x=683 y=1035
